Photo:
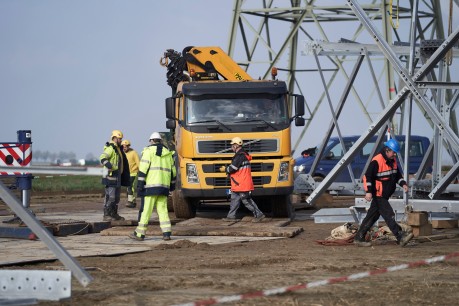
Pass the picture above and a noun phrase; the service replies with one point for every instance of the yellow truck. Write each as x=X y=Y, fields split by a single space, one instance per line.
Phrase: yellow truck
x=214 y=100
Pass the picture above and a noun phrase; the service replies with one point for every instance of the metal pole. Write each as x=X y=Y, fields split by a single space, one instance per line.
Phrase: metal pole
x=53 y=245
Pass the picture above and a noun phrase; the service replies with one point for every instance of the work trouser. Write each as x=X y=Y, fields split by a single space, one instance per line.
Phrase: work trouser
x=246 y=199
x=379 y=207
x=112 y=196
x=131 y=189
x=149 y=203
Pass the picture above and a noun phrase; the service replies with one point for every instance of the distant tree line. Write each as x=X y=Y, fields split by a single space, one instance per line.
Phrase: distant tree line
x=57 y=158
x=52 y=157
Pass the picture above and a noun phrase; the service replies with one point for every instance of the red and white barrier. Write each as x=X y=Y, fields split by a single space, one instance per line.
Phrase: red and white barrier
x=15 y=155
x=333 y=280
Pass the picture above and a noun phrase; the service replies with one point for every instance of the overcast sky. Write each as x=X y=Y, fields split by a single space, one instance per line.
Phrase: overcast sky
x=72 y=71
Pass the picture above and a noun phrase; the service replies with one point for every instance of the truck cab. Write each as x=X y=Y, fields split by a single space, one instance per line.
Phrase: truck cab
x=204 y=114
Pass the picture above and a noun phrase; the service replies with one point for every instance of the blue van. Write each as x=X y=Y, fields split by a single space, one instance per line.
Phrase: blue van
x=333 y=153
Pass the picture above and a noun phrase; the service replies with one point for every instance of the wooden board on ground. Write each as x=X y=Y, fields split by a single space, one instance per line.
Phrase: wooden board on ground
x=217 y=227
x=15 y=251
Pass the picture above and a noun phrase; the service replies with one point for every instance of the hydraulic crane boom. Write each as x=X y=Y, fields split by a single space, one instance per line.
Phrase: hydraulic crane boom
x=201 y=63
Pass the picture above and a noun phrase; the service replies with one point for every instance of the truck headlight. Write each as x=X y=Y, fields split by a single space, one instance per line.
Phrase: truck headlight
x=283 y=172
x=192 y=174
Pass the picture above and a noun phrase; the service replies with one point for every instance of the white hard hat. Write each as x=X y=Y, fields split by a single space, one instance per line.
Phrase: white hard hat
x=236 y=140
x=155 y=135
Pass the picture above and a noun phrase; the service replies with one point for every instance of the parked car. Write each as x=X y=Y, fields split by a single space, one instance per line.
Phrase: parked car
x=334 y=152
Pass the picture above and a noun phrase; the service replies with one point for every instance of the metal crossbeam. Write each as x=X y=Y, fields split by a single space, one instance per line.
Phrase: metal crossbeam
x=53 y=245
x=411 y=87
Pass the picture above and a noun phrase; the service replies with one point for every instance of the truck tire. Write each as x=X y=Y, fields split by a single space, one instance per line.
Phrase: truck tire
x=282 y=207
x=184 y=208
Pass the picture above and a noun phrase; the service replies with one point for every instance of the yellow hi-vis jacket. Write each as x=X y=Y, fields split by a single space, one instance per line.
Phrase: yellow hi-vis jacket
x=156 y=171
x=133 y=160
x=115 y=163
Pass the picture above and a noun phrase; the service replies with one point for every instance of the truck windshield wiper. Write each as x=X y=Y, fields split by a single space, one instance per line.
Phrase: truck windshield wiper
x=251 y=120
x=216 y=121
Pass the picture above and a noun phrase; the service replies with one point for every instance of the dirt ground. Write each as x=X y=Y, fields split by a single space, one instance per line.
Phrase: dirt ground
x=185 y=272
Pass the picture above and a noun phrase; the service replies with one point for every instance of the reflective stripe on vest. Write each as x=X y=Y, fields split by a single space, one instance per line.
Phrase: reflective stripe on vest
x=241 y=180
x=385 y=173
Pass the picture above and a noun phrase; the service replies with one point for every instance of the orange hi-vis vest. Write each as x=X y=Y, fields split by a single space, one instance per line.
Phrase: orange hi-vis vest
x=241 y=180
x=386 y=176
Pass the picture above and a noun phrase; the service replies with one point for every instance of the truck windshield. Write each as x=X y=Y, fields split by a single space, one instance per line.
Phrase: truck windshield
x=237 y=109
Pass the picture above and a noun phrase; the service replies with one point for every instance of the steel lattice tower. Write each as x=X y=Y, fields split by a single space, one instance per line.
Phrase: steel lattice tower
x=329 y=53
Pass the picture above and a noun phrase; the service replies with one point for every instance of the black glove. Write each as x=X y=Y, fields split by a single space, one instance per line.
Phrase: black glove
x=140 y=186
x=108 y=165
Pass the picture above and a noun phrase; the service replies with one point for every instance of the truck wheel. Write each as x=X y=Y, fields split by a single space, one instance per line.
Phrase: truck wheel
x=282 y=207
x=183 y=207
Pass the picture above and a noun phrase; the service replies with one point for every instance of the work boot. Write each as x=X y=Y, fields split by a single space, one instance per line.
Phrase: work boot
x=259 y=219
x=135 y=237
x=360 y=239
x=167 y=236
x=131 y=205
x=405 y=238
x=107 y=214
x=360 y=243
x=115 y=215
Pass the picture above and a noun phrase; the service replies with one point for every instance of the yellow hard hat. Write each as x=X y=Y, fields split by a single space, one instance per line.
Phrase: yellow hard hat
x=236 y=140
x=117 y=134
x=125 y=143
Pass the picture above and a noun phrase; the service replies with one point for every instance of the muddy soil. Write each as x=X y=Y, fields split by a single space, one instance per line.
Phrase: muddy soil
x=185 y=272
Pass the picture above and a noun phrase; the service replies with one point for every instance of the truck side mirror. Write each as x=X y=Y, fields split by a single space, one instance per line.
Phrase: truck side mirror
x=170 y=108
x=170 y=124
x=299 y=121
x=299 y=105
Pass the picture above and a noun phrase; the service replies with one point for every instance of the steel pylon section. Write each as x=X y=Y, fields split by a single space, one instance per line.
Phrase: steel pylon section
x=321 y=44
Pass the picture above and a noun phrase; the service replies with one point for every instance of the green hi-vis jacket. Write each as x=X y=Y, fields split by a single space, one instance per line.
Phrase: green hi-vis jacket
x=116 y=166
x=157 y=171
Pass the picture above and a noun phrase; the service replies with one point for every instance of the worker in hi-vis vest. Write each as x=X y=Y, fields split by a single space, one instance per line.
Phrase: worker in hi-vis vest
x=115 y=175
x=379 y=183
x=156 y=179
x=240 y=175
x=133 y=160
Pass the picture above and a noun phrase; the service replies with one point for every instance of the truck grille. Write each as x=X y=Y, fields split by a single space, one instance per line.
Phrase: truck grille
x=250 y=146
x=255 y=167
x=225 y=182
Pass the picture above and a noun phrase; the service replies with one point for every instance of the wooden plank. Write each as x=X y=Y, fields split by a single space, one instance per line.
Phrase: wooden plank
x=444 y=223
x=96 y=245
x=417 y=218
x=97 y=227
x=71 y=229
x=423 y=230
x=217 y=227
x=436 y=237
